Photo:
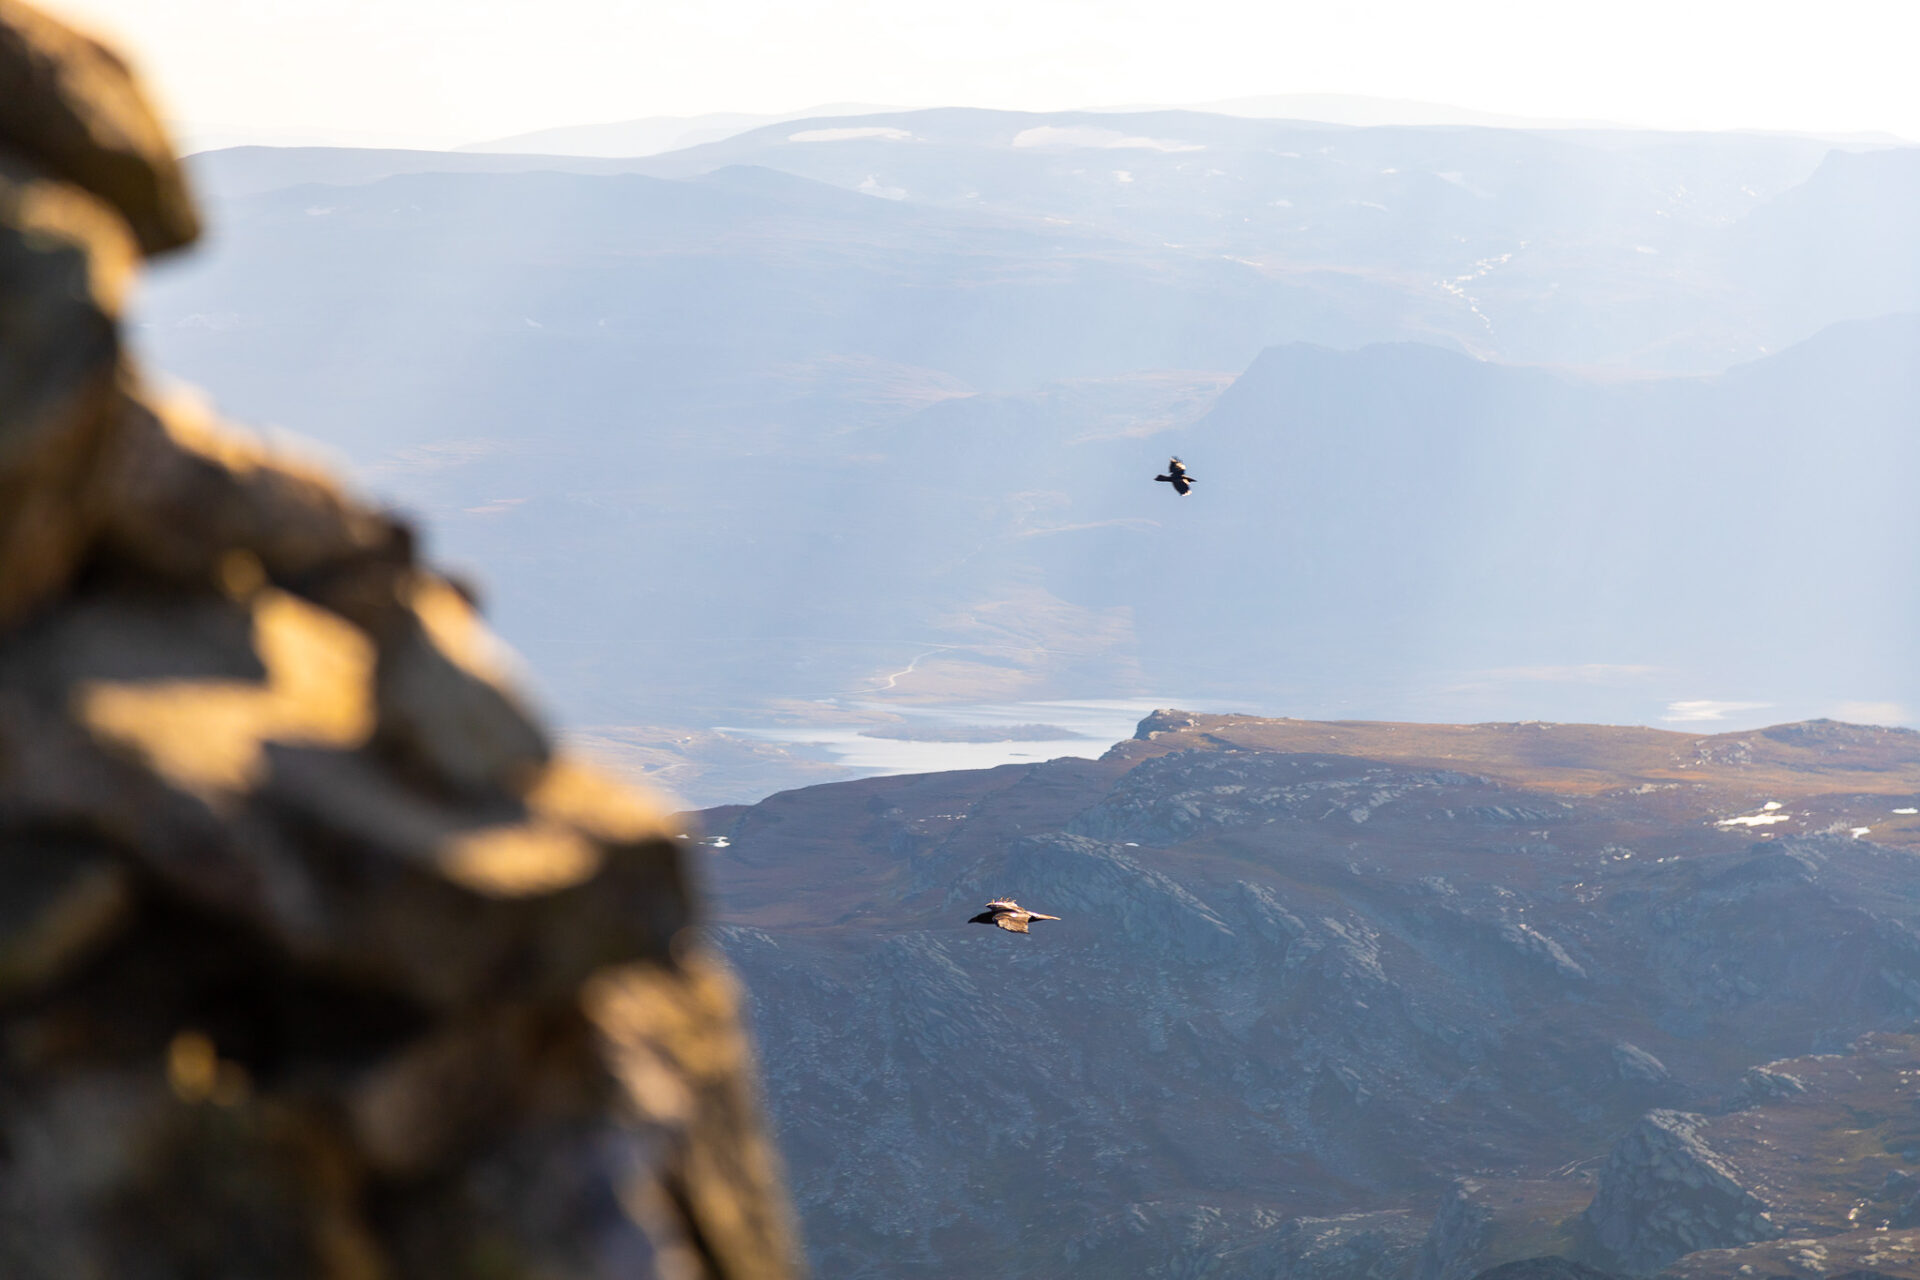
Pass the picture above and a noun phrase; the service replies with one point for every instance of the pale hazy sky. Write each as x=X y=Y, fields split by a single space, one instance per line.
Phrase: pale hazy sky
x=450 y=71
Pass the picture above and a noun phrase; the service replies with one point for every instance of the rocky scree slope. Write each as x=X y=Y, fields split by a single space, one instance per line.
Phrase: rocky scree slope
x=1329 y=999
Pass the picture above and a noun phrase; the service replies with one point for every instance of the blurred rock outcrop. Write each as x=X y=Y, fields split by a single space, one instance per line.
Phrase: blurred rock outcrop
x=315 y=960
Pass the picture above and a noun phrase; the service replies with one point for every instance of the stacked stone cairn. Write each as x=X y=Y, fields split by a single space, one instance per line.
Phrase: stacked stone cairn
x=315 y=959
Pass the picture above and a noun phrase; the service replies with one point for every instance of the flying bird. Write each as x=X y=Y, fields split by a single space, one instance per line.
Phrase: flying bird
x=1177 y=477
x=1009 y=915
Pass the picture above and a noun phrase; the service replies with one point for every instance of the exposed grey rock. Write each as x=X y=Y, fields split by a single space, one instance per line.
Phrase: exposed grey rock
x=1180 y=1241
x=1664 y=1192
x=1348 y=1246
x=1762 y=1084
x=1097 y=881
x=1537 y=946
x=1459 y=1232
x=1176 y=795
x=1163 y=720
x=1551 y=1267
x=1637 y=1065
x=1267 y=917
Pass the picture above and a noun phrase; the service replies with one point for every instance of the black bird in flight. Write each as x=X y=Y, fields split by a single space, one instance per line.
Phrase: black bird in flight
x=1177 y=477
x=1009 y=915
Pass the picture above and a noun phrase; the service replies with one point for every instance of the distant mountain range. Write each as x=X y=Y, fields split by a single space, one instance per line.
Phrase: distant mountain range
x=651 y=135
x=1347 y=1001
x=1489 y=423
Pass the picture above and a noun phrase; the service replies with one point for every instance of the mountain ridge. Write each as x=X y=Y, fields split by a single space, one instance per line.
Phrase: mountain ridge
x=1406 y=991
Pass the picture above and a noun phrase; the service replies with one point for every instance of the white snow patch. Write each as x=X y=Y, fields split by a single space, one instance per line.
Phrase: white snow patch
x=1860 y=831
x=1755 y=820
x=887 y=132
x=1087 y=136
x=871 y=186
x=1907 y=810
x=1771 y=805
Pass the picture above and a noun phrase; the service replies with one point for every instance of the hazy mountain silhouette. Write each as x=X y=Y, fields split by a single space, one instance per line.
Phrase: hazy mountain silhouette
x=516 y=345
x=235 y=173
x=650 y=135
x=1839 y=244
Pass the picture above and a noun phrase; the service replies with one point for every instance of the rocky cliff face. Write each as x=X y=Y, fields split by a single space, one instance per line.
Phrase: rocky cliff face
x=1665 y=1192
x=315 y=959
x=1809 y=1172
x=1315 y=974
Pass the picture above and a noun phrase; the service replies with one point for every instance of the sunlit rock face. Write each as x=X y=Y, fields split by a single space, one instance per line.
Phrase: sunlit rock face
x=1346 y=1000
x=315 y=959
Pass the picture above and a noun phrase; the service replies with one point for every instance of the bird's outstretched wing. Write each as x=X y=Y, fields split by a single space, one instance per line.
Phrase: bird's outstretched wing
x=1035 y=915
x=1003 y=904
x=1012 y=923
x=1183 y=485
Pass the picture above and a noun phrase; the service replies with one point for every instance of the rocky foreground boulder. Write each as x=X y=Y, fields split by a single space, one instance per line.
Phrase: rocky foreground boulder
x=316 y=960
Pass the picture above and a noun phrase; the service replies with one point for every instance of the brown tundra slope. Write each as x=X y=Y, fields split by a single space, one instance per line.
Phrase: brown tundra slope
x=1344 y=1000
